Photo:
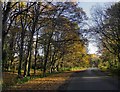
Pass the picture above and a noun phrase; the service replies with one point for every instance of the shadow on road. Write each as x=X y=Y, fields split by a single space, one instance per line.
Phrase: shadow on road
x=90 y=79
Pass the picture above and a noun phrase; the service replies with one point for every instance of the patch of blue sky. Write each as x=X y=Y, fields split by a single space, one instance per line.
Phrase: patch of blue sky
x=87 y=7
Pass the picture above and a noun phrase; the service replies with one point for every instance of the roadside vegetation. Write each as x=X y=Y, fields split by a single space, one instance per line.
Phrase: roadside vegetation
x=107 y=28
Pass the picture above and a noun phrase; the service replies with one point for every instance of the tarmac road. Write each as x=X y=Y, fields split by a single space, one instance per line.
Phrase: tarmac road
x=92 y=79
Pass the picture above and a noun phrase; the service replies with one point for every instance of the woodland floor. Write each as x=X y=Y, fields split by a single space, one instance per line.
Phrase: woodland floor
x=90 y=79
x=51 y=82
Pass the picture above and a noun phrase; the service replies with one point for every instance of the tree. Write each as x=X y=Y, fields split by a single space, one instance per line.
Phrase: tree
x=107 y=27
x=50 y=27
x=10 y=14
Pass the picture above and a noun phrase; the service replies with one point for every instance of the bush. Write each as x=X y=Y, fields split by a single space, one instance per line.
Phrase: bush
x=104 y=66
x=22 y=80
x=75 y=68
x=113 y=67
x=116 y=70
x=65 y=69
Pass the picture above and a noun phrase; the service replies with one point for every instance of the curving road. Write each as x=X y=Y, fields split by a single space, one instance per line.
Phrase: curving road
x=92 y=79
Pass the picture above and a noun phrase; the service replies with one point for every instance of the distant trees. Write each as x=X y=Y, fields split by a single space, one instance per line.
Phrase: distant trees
x=41 y=35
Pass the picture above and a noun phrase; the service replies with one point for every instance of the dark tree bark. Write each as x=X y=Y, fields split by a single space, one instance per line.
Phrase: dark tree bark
x=21 y=48
x=30 y=54
x=4 y=29
x=46 y=55
x=36 y=45
x=34 y=25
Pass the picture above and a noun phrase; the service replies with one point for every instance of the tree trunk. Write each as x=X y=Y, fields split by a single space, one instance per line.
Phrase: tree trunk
x=21 y=47
x=29 y=62
x=28 y=56
x=30 y=53
x=21 y=53
x=46 y=55
x=4 y=33
x=25 y=66
x=35 y=21
x=45 y=62
x=35 y=54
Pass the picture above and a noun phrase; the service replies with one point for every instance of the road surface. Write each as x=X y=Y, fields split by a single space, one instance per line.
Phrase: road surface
x=92 y=79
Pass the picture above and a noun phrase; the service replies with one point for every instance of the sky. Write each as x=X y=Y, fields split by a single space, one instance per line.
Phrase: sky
x=87 y=6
